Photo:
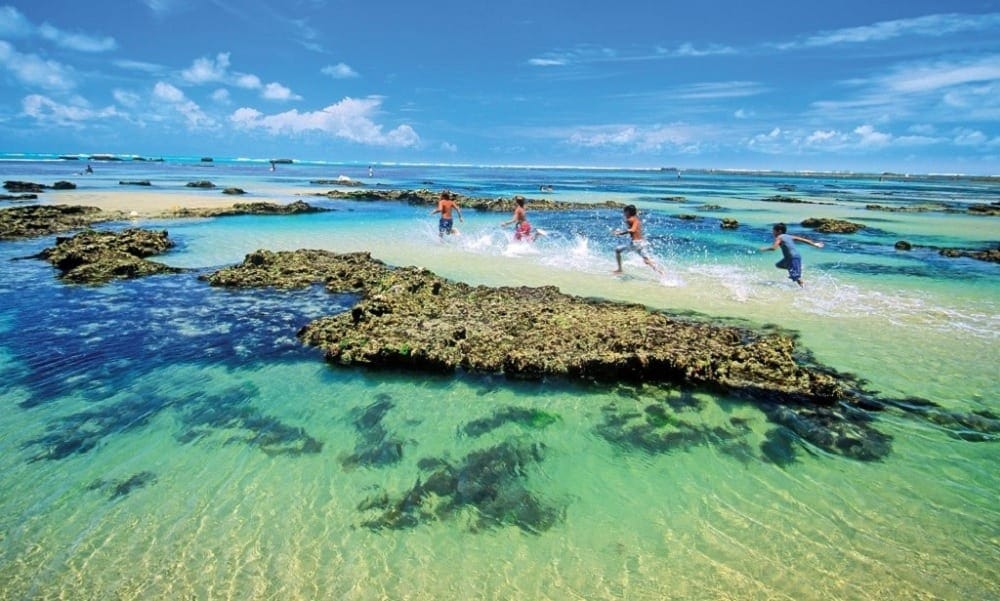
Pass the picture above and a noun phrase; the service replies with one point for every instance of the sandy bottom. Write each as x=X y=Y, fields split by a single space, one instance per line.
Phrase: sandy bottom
x=145 y=203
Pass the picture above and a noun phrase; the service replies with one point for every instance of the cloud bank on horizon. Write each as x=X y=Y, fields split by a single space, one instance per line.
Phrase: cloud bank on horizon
x=909 y=87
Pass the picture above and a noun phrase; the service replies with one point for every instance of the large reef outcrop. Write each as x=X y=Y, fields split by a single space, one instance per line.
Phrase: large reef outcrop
x=412 y=318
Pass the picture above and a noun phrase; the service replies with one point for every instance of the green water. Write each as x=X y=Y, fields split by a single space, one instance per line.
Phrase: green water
x=229 y=463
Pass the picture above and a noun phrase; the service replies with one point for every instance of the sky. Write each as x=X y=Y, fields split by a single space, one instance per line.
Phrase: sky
x=903 y=86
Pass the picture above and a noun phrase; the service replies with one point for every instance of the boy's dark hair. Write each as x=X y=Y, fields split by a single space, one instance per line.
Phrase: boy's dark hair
x=780 y=228
x=519 y=200
x=630 y=210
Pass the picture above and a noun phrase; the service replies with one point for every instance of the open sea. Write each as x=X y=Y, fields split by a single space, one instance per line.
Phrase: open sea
x=162 y=439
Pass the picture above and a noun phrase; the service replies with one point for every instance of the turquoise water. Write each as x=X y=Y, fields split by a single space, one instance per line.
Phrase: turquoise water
x=168 y=440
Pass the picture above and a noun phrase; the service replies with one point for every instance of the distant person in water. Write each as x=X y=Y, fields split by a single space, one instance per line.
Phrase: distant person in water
x=522 y=228
x=272 y=166
x=636 y=243
x=445 y=206
x=89 y=169
x=790 y=259
x=371 y=171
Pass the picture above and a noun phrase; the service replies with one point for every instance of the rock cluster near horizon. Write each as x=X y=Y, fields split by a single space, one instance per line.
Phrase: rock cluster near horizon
x=430 y=198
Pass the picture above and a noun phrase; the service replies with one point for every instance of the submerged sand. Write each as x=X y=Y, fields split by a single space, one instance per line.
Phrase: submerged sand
x=140 y=202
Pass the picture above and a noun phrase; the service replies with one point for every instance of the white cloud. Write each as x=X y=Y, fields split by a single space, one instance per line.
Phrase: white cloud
x=350 y=119
x=168 y=92
x=13 y=24
x=131 y=65
x=449 y=147
x=943 y=74
x=276 y=91
x=159 y=7
x=76 y=41
x=125 y=98
x=743 y=114
x=250 y=82
x=77 y=114
x=174 y=99
x=926 y=26
x=221 y=96
x=713 y=90
x=547 y=62
x=688 y=50
x=339 y=71
x=678 y=137
x=868 y=136
x=34 y=71
x=966 y=137
x=206 y=70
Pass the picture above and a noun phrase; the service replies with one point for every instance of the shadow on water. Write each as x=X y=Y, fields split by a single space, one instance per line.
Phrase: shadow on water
x=95 y=341
x=229 y=414
x=98 y=345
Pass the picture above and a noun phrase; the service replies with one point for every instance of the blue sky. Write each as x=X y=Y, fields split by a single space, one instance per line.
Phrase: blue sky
x=906 y=86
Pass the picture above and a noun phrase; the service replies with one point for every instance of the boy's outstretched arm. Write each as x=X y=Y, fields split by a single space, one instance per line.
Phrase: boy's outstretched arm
x=807 y=241
x=777 y=243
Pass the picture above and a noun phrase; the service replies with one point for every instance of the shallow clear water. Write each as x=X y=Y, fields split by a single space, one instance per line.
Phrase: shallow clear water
x=167 y=440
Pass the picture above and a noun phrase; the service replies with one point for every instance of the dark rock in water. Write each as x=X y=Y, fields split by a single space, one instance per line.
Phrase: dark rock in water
x=230 y=413
x=18 y=187
x=492 y=481
x=657 y=431
x=687 y=217
x=376 y=446
x=63 y=185
x=18 y=197
x=40 y=220
x=991 y=255
x=234 y=191
x=206 y=159
x=786 y=199
x=528 y=418
x=121 y=488
x=831 y=226
x=93 y=257
x=779 y=446
x=430 y=198
x=248 y=208
x=903 y=245
x=133 y=482
x=729 y=223
x=991 y=209
x=833 y=430
x=138 y=182
x=200 y=184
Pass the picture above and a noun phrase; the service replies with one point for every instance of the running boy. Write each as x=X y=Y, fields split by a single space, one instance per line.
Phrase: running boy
x=445 y=205
x=637 y=244
x=791 y=260
x=522 y=228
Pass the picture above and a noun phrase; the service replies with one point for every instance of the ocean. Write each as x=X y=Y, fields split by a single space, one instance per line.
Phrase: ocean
x=164 y=439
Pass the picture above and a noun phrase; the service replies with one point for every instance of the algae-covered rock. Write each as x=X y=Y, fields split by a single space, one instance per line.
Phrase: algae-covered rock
x=93 y=257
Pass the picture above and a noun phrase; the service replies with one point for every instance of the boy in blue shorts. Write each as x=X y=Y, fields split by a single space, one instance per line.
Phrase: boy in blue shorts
x=791 y=259
x=445 y=206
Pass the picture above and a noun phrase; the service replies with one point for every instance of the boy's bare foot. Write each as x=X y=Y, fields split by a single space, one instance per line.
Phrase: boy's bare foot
x=617 y=272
